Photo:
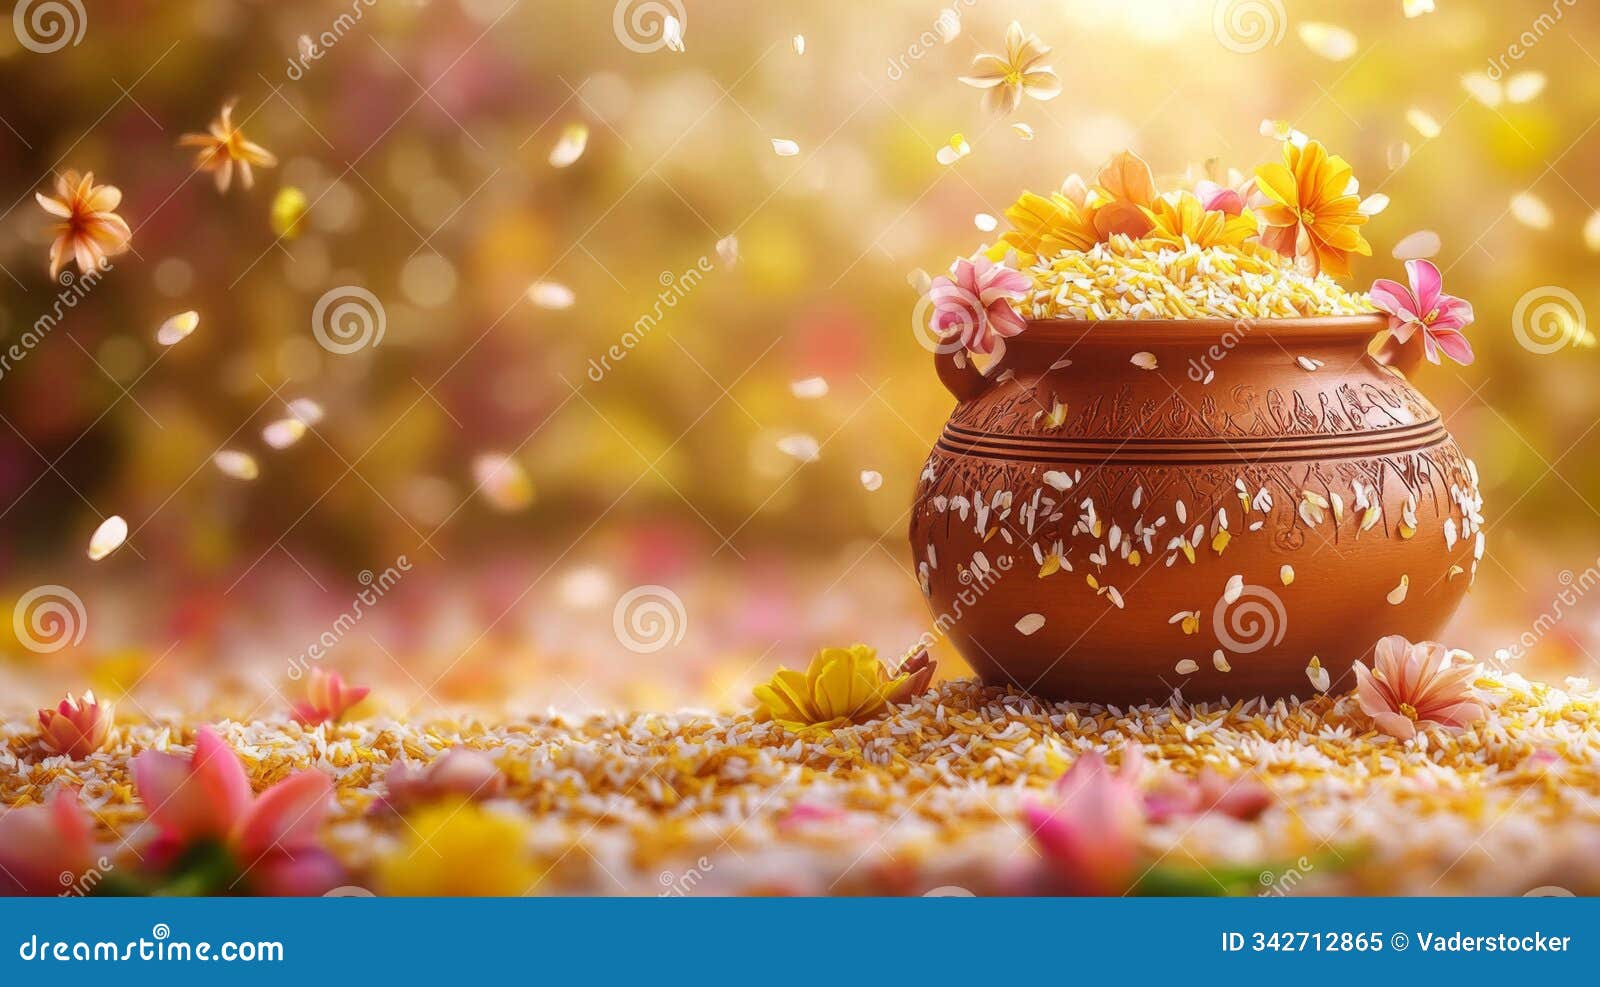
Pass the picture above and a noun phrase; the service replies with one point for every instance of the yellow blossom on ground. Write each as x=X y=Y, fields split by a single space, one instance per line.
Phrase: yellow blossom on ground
x=839 y=687
x=457 y=849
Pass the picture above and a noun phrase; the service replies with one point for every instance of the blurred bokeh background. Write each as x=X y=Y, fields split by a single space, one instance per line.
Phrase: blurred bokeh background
x=706 y=460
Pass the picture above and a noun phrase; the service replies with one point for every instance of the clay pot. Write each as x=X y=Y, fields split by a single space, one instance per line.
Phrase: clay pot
x=1091 y=530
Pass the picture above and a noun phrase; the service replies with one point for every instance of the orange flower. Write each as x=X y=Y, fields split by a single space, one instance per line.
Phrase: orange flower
x=90 y=231
x=1123 y=190
x=1175 y=217
x=1313 y=214
x=224 y=145
x=76 y=727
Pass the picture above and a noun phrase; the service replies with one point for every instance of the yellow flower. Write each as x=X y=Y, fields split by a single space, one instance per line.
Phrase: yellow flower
x=1175 y=217
x=841 y=686
x=458 y=849
x=90 y=230
x=1042 y=227
x=1314 y=214
x=223 y=146
x=1006 y=79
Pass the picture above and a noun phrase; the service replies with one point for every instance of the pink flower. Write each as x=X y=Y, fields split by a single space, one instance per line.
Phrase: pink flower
x=1425 y=307
x=1412 y=683
x=974 y=306
x=206 y=798
x=459 y=773
x=76 y=728
x=1090 y=829
x=1242 y=798
x=45 y=849
x=327 y=698
x=1224 y=199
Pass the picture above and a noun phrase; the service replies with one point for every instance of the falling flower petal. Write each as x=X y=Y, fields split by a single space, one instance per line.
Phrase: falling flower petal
x=305 y=411
x=574 y=138
x=785 y=148
x=1397 y=595
x=1525 y=86
x=1286 y=574
x=800 y=446
x=236 y=464
x=1591 y=231
x=549 y=294
x=809 y=388
x=108 y=537
x=1187 y=666
x=1374 y=204
x=503 y=481
x=289 y=208
x=1328 y=40
x=1317 y=674
x=1397 y=155
x=1485 y=90
x=1023 y=131
x=871 y=479
x=728 y=250
x=1531 y=211
x=1424 y=122
x=985 y=222
x=672 y=33
x=1416 y=8
x=799 y=44
x=1144 y=360
x=954 y=150
x=283 y=433
x=1414 y=246
x=177 y=327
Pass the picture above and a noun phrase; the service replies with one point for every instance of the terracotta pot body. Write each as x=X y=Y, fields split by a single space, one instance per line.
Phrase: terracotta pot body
x=1078 y=525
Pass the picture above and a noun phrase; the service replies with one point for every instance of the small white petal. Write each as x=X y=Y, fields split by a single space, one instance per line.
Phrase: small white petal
x=1397 y=595
x=1023 y=131
x=672 y=33
x=1424 y=122
x=1029 y=623
x=574 y=138
x=1414 y=246
x=801 y=446
x=1328 y=40
x=1144 y=360
x=809 y=388
x=799 y=44
x=728 y=250
x=549 y=294
x=306 y=411
x=107 y=538
x=283 y=433
x=236 y=464
x=1531 y=211
x=985 y=222
x=1187 y=666
x=502 y=480
x=871 y=479
x=177 y=327
x=1524 y=86
x=1374 y=204
x=1232 y=591
x=784 y=148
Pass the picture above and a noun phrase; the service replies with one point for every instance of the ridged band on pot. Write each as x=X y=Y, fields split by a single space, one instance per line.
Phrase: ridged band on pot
x=1120 y=509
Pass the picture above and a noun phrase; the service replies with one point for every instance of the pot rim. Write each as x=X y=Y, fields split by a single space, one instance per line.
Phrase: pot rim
x=1351 y=328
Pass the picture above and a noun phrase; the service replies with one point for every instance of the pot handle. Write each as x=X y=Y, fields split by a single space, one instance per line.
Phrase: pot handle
x=958 y=374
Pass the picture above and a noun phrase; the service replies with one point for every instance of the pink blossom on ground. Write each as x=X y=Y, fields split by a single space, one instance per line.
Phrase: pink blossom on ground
x=76 y=727
x=206 y=797
x=45 y=849
x=458 y=773
x=327 y=698
x=1415 y=683
x=1090 y=828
